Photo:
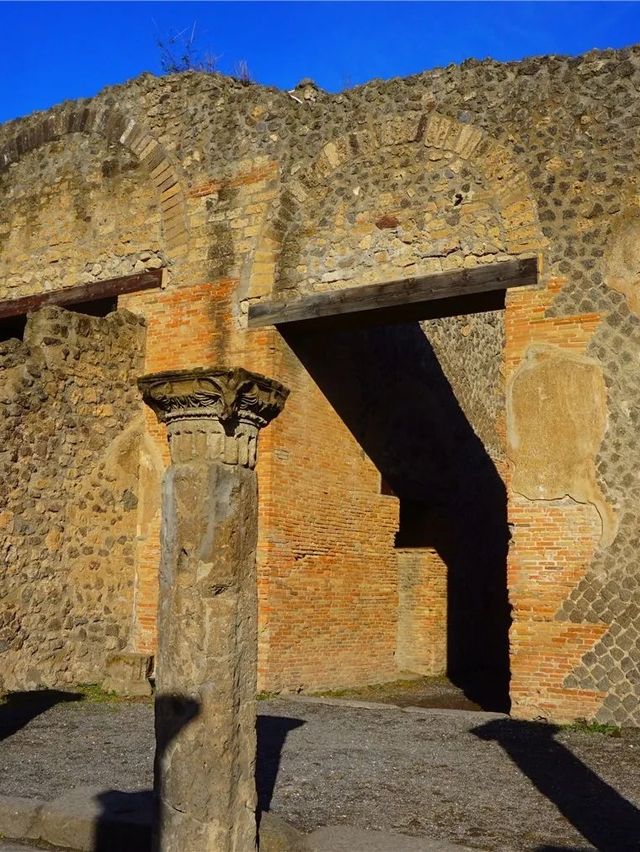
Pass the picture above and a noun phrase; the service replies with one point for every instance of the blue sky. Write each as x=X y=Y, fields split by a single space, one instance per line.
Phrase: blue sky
x=51 y=51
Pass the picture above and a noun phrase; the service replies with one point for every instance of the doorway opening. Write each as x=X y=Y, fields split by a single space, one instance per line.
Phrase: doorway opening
x=372 y=351
x=387 y=385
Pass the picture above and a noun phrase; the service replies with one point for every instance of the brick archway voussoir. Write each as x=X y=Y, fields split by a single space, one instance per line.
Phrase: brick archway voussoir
x=114 y=126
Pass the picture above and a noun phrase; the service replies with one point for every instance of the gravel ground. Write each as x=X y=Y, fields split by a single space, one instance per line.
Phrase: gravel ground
x=491 y=784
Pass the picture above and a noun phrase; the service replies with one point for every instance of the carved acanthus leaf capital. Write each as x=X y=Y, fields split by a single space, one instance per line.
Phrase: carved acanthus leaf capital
x=231 y=395
x=213 y=413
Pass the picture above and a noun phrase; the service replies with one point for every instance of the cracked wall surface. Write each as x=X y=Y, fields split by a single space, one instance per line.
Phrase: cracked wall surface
x=557 y=411
x=245 y=191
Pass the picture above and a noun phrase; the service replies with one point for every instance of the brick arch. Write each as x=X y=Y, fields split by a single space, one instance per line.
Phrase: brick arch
x=424 y=132
x=114 y=126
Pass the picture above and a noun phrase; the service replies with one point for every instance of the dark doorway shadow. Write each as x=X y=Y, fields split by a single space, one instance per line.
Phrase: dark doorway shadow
x=272 y=732
x=19 y=708
x=602 y=816
x=388 y=387
x=130 y=822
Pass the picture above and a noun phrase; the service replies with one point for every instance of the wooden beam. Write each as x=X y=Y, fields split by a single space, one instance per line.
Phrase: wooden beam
x=393 y=295
x=455 y=306
x=83 y=293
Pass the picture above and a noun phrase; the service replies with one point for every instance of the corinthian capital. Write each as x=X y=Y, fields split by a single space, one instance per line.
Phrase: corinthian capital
x=226 y=407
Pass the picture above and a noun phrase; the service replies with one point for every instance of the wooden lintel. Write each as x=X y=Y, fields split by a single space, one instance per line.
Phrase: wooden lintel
x=83 y=293
x=393 y=295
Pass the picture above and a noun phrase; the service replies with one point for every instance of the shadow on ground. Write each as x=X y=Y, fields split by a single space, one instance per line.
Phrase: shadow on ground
x=602 y=816
x=272 y=734
x=125 y=819
x=19 y=708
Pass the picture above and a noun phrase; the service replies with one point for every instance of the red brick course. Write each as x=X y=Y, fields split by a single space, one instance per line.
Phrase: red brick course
x=552 y=546
x=327 y=573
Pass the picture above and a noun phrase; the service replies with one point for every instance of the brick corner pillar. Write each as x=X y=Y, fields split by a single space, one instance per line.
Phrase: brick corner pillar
x=205 y=713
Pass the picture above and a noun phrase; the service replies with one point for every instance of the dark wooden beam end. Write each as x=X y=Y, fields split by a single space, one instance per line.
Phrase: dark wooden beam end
x=83 y=293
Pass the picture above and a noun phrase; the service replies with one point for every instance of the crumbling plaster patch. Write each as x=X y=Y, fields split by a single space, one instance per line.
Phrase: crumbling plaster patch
x=556 y=420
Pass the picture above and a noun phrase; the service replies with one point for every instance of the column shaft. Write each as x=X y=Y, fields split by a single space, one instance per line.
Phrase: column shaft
x=207 y=621
x=206 y=676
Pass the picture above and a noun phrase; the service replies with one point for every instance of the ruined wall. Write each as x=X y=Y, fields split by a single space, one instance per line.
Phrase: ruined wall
x=247 y=191
x=71 y=426
x=73 y=213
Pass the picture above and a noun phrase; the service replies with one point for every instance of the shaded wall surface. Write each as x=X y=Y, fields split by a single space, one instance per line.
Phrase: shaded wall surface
x=389 y=388
x=70 y=421
x=242 y=193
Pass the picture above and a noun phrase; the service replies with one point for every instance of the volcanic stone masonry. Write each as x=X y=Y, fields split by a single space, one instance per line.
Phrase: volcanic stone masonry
x=71 y=426
x=458 y=495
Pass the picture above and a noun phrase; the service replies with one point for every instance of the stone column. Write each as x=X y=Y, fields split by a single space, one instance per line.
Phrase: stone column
x=207 y=618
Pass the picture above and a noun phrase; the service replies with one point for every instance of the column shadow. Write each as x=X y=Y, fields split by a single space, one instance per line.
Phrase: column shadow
x=272 y=732
x=602 y=816
x=388 y=387
x=125 y=822
x=20 y=708
x=130 y=822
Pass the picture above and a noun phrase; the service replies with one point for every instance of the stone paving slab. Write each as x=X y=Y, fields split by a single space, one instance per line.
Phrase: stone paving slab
x=83 y=819
x=20 y=817
x=88 y=819
x=91 y=820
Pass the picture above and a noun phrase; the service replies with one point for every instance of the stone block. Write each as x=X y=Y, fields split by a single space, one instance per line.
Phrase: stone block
x=89 y=818
x=20 y=817
x=276 y=835
x=128 y=674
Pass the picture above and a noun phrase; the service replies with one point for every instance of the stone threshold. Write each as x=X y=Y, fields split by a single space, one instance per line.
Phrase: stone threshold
x=90 y=819
x=471 y=715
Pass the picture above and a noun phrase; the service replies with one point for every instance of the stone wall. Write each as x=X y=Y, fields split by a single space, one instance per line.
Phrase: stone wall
x=242 y=192
x=71 y=419
x=75 y=214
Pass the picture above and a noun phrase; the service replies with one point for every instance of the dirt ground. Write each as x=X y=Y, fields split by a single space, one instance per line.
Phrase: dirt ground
x=411 y=691
x=488 y=783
